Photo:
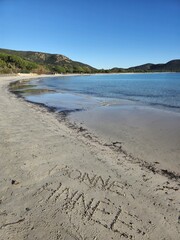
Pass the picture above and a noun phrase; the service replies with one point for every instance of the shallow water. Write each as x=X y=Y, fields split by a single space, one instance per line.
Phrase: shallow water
x=160 y=90
x=127 y=108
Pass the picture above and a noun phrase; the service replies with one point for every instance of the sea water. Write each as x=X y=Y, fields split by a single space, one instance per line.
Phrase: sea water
x=161 y=90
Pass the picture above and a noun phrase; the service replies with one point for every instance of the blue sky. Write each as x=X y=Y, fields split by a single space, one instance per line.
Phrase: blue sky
x=102 y=33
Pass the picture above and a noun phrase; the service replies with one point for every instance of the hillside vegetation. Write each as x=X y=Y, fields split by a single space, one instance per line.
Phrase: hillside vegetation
x=12 y=61
x=25 y=61
x=13 y=64
x=172 y=66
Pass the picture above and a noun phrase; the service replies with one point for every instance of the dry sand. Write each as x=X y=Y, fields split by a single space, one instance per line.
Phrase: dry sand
x=59 y=182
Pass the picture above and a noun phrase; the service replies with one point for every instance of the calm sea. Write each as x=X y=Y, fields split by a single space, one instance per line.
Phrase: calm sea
x=160 y=90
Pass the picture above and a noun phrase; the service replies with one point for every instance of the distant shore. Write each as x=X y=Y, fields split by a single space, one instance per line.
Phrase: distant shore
x=59 y=181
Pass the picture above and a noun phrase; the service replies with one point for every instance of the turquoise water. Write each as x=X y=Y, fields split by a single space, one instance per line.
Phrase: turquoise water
x=157 y=89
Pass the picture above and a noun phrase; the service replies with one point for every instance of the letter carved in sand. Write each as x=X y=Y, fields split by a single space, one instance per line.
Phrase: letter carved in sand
x=99 y=210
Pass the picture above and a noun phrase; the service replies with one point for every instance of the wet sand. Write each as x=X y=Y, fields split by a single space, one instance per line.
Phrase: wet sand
x=58 y=181
x=147 y=133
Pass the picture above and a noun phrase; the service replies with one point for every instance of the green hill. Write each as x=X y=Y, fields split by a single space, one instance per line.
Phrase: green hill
x=172 y=66
x=12 y=61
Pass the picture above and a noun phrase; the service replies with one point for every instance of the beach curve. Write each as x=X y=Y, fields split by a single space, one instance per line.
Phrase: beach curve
x=58 y=184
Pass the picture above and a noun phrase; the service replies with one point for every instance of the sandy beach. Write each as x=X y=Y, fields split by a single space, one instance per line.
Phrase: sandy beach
x=60 y=182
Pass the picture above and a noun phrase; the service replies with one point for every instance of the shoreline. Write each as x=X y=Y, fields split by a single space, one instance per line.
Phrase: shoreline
x=60 y=183
x=148 y=134
x=163 y=107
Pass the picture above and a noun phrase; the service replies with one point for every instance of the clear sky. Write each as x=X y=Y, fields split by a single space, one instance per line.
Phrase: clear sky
x=102 y=33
